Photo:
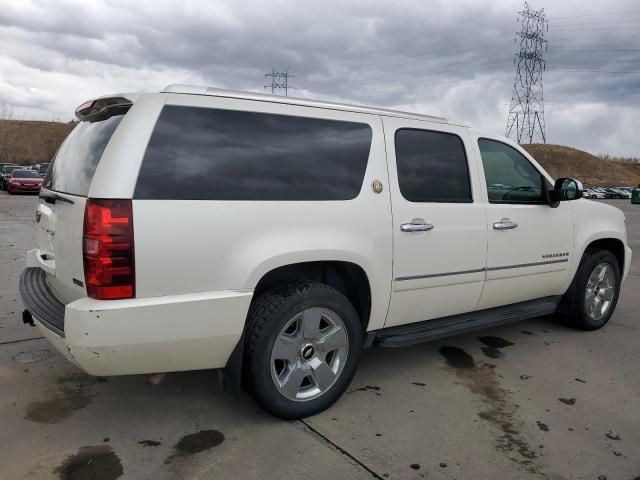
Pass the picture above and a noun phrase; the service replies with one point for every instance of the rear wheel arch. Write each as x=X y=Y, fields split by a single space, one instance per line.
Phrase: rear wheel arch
x=348 y=278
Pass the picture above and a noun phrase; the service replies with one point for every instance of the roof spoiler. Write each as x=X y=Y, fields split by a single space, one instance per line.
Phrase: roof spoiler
x=95 y=108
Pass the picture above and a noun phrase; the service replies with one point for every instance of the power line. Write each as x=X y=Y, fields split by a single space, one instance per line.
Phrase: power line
x=279 y=81
x=426 y=86
x=615 y=22
x=441 y=56
x=627 y=72
x=526 y=112
x=599 y=14
x=421 y=71
x=591 y=29
x=384 y=59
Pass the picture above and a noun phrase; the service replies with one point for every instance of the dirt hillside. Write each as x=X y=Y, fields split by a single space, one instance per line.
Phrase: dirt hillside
x=26 y=142
x=562 y=161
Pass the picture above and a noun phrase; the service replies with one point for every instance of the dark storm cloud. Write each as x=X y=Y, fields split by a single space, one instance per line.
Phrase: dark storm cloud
x=441 y=57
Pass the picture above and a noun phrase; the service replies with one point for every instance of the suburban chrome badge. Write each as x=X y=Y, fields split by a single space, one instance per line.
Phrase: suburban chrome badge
x=555 y=255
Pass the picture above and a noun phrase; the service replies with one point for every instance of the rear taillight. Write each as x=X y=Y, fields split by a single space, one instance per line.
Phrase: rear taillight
x=107 y=246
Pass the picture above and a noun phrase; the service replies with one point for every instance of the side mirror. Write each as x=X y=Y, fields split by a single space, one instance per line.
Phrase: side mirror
x=567 y=189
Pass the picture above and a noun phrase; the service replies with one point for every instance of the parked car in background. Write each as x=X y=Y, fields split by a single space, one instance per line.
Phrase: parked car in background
x=5 y=173
x=2 y=165
x=622 y=192
x=24 y=181
x=42 y=169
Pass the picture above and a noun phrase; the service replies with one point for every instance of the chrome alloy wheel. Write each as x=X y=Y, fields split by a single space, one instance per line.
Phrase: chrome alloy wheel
x=601 y=288
x=309 y=354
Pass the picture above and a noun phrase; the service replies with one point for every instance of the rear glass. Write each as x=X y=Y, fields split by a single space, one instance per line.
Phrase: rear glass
x=72 y=168
x=25 y=174
x=211 y=154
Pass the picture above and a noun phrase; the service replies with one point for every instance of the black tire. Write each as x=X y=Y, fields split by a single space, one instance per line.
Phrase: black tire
x=268 y=316
x=574 y=308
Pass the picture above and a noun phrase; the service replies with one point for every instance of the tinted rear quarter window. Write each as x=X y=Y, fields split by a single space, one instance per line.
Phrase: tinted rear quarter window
x=432 y=166
x=212 y=154
x=73 y=166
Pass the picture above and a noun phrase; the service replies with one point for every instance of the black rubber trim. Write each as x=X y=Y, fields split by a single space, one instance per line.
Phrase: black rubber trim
x=40 y=301
x=428 y=330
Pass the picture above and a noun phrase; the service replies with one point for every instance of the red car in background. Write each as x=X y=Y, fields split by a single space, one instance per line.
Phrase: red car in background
x=22 y=181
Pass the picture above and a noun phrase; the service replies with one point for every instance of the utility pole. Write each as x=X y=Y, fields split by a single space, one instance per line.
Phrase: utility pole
x=526 y=111
x=279 y=81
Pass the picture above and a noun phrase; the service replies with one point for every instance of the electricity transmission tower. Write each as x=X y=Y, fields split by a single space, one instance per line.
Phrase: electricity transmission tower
x=526 y=112
x=279 y=81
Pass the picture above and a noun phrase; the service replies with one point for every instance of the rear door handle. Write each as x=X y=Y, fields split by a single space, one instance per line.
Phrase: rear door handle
x=505 y=224
x=416 y=227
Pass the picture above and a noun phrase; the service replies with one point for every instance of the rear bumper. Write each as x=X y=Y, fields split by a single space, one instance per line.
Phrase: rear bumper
x=40 y=301
x=141 y=335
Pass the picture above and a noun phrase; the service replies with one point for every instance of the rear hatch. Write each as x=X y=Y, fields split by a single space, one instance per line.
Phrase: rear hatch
x=60 y=213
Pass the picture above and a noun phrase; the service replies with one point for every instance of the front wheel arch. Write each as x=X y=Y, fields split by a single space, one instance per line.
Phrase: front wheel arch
x=614 y=245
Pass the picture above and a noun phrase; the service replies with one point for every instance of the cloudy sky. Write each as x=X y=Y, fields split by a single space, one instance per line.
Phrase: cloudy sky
x=445 y=57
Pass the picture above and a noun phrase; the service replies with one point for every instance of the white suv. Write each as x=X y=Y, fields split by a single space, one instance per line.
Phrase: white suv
x=275 y=237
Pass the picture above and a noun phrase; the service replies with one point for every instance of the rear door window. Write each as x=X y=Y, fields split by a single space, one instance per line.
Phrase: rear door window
x=73 y=166
x=212 y=154
x=432 y=166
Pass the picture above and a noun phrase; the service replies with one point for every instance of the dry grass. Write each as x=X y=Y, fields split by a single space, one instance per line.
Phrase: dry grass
x=562 y=161
x=26 y=142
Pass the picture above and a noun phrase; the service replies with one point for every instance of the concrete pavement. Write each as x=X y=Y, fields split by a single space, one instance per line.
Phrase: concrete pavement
x=529 y=400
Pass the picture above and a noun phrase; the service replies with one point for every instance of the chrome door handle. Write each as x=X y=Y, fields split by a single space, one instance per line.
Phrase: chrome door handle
x=504 y=224
x=416 y=227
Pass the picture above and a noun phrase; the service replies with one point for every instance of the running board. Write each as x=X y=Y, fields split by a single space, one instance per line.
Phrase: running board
x=428 y=330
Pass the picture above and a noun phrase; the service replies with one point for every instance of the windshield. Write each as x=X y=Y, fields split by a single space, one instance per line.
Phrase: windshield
x=77 y=158
x=10 y=168
x=25 y=174
x=43 y=168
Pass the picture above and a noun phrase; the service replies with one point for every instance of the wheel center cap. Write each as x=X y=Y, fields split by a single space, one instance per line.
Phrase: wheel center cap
x=307 y=352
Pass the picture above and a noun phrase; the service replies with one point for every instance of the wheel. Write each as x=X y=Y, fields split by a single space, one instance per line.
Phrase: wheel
x=303 y=345
x=594 y=292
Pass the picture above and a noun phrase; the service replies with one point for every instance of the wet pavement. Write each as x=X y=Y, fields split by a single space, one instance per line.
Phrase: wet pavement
x=529 y=400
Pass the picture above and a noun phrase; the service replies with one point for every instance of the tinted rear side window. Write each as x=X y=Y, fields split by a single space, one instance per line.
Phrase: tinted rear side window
x=212 y=154
x=73 y=166
x=432 y=167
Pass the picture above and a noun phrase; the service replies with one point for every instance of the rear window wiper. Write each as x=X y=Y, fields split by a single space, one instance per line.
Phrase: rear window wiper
x=51 y=197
